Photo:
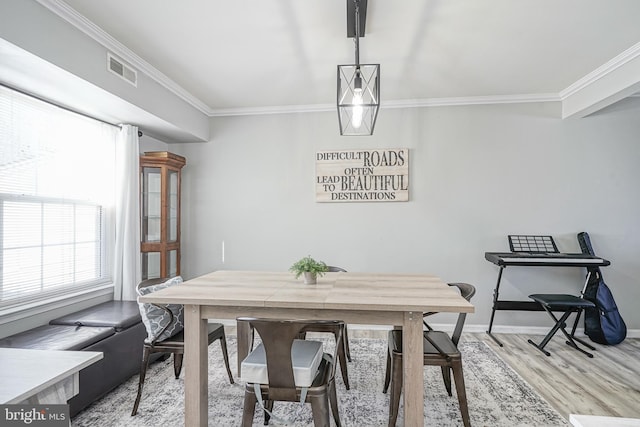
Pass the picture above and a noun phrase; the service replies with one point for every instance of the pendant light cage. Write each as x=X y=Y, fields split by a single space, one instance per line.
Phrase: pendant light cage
x=358 y=98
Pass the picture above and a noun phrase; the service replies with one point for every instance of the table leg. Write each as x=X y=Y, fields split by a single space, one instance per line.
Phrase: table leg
x=412 y=351
x=196 y=368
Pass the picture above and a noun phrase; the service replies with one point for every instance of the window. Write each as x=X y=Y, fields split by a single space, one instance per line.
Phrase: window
x=56 y=201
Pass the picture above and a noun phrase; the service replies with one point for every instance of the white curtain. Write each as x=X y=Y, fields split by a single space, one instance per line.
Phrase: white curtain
x=127 y=271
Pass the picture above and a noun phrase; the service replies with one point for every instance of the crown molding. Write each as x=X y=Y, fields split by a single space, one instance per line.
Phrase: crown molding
x=404 y=103
x=628 y=55
x=282 y=109
x=66 y=12
x=472 y=100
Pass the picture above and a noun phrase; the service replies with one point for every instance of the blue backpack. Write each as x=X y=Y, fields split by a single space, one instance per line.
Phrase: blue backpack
x=602 y=324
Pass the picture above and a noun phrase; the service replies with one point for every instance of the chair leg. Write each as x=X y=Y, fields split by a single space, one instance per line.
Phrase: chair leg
x=143 y=373
x=177 y=364
x=225 y=356
x=461 y=391
x=249 y=408
x=396 y=389
x=345 y=339
x=573 y=331
x=333 y=401
x=320 y=409
x=387 y=373
x=571 y=341
x=268 y=406
x=343 y=365
x=560 y=325
x=583 y=342
x=446 y=376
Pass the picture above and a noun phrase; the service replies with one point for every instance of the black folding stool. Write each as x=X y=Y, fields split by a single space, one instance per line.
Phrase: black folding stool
x=569 y=304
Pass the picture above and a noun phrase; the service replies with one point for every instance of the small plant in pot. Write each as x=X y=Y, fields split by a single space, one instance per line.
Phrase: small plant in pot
x=310 y=268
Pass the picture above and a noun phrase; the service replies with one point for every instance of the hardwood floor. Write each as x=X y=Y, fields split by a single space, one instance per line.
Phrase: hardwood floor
x=607 y=385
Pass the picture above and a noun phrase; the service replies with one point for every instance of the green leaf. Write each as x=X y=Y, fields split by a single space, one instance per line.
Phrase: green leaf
x=308 y=264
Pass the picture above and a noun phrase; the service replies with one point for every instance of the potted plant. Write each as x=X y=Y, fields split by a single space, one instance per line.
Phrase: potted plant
x=310 y=268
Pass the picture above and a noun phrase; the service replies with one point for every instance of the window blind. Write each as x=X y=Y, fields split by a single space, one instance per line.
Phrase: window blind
x=56 y=199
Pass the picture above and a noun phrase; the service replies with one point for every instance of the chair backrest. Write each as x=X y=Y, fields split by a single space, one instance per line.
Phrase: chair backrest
x=150 y=282
x=277 y=338
x=160 y=320
x=467 y=292
x=334 y=269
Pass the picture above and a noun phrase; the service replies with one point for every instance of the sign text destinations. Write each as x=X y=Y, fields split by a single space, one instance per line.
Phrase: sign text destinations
x=363 y=175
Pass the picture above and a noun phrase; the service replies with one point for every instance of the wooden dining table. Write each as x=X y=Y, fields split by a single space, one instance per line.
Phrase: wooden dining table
x=357 y=298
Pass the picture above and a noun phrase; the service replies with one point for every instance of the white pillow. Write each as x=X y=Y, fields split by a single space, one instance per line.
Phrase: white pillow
x=305 y=358
x=155 y=318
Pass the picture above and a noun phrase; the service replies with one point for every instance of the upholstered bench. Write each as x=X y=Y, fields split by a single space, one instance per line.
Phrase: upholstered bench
x=57 y=337
x=122 y=351
x=119 y=315
x=114 y=328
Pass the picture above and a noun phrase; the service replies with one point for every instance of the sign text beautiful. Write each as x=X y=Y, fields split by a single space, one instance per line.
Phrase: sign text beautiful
x=362 y=175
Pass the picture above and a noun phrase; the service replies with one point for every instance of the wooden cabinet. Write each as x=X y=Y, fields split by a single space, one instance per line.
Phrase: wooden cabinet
x=160 y=211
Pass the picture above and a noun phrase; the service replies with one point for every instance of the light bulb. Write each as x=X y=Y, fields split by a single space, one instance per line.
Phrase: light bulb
x=356 y=119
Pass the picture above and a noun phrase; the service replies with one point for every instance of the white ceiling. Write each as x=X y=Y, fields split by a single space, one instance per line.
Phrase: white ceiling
x=239 y=55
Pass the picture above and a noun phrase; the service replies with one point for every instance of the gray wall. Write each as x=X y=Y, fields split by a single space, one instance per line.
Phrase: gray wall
x=477 y=173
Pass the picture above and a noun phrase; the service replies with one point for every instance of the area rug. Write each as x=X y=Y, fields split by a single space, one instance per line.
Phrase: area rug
x=497 y=395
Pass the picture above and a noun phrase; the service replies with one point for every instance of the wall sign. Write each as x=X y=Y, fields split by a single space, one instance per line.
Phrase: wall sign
x=363 y=175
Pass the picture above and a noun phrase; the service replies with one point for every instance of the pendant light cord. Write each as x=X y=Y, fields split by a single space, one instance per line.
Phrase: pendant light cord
x=357 y=38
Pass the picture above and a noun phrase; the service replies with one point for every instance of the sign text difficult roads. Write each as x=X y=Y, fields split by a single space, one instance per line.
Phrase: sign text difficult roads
x=363 y=175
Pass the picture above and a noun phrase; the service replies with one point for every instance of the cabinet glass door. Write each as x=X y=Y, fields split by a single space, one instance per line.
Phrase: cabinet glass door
x=150 y=265
x=173 y=206
x=151 y=204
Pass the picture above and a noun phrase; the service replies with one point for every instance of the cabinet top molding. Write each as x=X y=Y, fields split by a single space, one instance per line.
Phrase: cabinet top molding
x=164 y=157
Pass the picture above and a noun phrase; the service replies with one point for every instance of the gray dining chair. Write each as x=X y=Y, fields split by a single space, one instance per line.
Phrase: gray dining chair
x=165 y=334
x=439 y=349
x=343 y=354
x=285 y=368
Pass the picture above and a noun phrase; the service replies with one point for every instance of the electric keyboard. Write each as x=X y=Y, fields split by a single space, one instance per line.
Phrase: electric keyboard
x=554 y=259
x=535 y=251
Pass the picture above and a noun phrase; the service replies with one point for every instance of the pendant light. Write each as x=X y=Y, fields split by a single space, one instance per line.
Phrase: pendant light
x=358 y=88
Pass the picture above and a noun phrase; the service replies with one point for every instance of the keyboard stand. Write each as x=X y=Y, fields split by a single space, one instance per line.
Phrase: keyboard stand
x=505 y=259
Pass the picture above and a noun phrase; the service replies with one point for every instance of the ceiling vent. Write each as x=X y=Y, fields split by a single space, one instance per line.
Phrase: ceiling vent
x=116 y=66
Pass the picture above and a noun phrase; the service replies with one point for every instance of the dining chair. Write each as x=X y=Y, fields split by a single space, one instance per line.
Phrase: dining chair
x=285 y=368
x=164 y=324
x=439 y=349
x=344 y=354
